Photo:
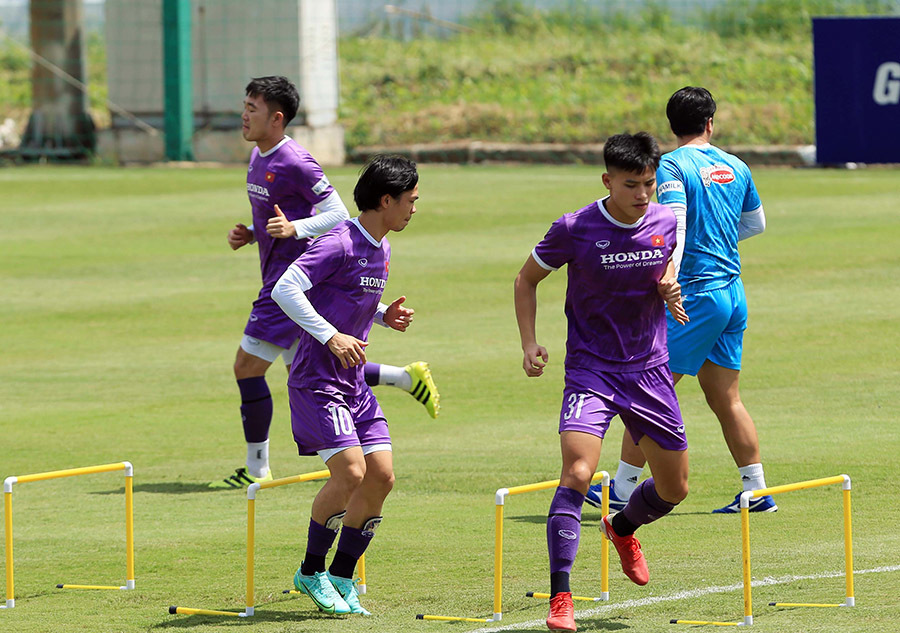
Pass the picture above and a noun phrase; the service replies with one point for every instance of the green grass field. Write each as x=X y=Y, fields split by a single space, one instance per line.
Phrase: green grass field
x=122 y=308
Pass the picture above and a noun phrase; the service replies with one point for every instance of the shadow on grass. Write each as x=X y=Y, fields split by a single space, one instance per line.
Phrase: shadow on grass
x=168 y=488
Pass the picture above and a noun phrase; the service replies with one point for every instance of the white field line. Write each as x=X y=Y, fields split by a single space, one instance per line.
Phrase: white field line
x=687 y=595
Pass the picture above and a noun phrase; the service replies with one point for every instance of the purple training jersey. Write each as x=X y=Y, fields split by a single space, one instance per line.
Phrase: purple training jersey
x=286 y=175
x=616 y=317
x=348 y=270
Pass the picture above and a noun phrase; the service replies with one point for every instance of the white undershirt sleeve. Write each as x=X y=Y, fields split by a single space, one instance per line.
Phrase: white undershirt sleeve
x=680 y=211
x=379 y=315
x=332 y=211
x=751 y=223
x=290 y=294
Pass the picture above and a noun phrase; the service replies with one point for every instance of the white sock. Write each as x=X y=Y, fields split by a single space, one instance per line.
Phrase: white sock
x=258 y=458
x=752 y=477
x=627 y=478
x=394 y=377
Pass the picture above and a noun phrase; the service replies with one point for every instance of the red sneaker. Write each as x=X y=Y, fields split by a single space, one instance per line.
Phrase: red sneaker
x=562 y=613
x=629 y=548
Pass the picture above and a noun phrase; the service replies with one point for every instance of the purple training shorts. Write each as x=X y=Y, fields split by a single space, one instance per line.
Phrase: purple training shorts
x=645 y=400
x=329 y=419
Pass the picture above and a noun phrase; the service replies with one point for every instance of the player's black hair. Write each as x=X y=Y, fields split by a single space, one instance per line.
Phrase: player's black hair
x=279 y=94
x=384 y=175
x=631 y=152
x=689 y=109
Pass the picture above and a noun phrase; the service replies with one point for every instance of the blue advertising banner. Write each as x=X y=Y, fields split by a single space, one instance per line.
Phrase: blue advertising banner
x=857 y=85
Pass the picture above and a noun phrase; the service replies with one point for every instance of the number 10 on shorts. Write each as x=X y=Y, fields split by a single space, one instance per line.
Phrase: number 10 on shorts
x=342 y=420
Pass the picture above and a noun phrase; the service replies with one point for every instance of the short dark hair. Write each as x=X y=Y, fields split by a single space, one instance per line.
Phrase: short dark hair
x=631 y=152
x=382 y=175
x=279 y=94
x=689 y=109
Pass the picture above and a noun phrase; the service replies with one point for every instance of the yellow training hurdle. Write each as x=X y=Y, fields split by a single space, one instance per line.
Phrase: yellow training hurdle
x=251 y=538
x=850 y=601
x=499 y=502
x=58 y=474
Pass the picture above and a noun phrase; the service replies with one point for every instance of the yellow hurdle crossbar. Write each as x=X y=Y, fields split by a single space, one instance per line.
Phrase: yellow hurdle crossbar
x=499 y=502
x=545 y=596
x=252 y=491
x=745 y=498
x=8 y=484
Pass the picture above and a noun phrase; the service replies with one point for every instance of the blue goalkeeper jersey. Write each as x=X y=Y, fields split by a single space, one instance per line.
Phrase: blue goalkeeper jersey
x=716 y=188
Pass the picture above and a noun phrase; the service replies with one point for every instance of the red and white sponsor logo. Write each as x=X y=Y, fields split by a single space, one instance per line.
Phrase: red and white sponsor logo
x=722 y=176
x=719 y=174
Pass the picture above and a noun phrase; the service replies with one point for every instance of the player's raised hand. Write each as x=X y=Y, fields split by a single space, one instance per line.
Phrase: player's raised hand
x=239 y=236
x=536 y=358
x=398 y=317
x=350 y=350
x=279 y=226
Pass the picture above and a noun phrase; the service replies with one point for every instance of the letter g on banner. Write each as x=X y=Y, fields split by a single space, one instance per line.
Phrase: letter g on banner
x=887 y=84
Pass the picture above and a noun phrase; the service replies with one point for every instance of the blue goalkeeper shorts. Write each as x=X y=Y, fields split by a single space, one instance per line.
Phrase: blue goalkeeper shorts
x=715 y=332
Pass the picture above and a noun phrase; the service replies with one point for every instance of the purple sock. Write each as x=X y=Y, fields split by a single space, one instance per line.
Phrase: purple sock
x=256 y=408
x=318 y=541
x=372 y=372
x=351 y=546
x=564 y=528
x=645 y=505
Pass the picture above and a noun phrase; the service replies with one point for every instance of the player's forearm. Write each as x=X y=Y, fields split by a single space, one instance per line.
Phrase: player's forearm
x=332 y=211
x=526 y=311
x=290 y=294
x=751 y=223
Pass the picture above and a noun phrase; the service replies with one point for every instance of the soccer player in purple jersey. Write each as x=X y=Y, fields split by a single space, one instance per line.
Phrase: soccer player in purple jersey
x=620 y=279
x=291 y=197
x=332 y=291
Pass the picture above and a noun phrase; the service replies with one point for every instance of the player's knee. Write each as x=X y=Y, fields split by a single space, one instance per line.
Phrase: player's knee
x=577 y=475
x=351 y=477
x=384 y=480
x=673 y=492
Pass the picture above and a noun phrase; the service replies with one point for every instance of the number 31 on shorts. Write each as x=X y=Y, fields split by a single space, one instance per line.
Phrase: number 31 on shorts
x=575 y=402
x=342 y=420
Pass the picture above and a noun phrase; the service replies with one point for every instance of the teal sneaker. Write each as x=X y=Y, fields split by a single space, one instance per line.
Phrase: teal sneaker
x=348 y=591
x=319 y=588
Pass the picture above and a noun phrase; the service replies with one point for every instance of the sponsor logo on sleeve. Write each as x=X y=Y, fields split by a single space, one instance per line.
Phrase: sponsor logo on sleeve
x=672 y=185
x=321 y=186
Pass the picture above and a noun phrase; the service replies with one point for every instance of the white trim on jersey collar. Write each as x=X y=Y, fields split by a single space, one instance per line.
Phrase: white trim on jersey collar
x=275 y=149
x=695 y=146
x=615 y=221
x=365 y=232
